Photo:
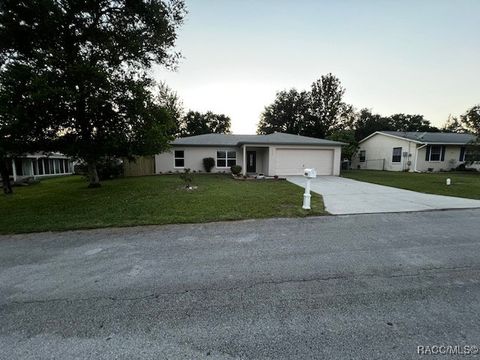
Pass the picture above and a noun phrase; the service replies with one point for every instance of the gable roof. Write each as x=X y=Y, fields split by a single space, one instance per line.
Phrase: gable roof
x=422 y=137
x=237 y=140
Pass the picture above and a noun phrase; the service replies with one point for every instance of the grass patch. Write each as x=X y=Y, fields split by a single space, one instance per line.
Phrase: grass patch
x=66 y=203
x=465 y=185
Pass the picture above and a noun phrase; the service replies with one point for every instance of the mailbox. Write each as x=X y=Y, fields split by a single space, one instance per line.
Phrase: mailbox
x=310 y=173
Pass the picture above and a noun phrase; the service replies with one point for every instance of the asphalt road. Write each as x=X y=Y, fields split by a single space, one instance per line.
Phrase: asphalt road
x=360 y=286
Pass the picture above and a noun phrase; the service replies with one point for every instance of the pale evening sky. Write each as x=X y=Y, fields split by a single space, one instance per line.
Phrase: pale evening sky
x=419 y=56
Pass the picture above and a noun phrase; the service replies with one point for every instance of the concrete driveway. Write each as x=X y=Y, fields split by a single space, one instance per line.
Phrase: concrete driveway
x=347 y=196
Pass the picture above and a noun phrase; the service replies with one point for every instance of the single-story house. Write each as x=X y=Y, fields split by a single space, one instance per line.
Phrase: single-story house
x=40 y=165
x=274 y=154
x=412 y=151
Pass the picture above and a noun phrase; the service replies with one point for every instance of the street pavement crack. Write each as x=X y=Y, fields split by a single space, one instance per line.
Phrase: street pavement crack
x=343 y=276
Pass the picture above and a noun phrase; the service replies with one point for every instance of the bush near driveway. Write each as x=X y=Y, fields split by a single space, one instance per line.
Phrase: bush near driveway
x=464 y=184
x=66 y=203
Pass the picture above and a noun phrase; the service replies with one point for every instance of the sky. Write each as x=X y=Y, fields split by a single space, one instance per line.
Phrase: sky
x=416 y=57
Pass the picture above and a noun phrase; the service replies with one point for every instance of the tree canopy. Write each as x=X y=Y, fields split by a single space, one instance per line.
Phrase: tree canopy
x=83 y=69
x=315 y=113
x=322 y=112
x=196 y=123
x=471 y=120
x=171 y=102
x=326 y=106
x=406 y=122
x=288 y=113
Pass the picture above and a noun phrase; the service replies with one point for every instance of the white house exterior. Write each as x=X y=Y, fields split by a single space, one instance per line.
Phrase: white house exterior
x=412 y=151
x=40 y=165
x=274 y=154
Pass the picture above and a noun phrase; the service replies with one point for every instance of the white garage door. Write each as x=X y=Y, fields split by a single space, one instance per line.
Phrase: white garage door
x=293 y=161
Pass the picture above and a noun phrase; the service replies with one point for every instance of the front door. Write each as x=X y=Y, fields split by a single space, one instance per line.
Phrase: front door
x=251 y=161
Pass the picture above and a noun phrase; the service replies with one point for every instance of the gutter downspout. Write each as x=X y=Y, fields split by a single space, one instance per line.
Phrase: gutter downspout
x=416 y=156
x=244 y=160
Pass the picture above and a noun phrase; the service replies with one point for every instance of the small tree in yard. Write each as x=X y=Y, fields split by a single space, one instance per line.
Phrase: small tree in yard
x=187 y=177
x=83 y=70
x=208 y=164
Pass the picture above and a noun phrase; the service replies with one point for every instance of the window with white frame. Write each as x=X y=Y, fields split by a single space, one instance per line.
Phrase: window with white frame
x=435 y=153
x=362 y=156
x=179 y=158
x=397 y=155
x=226 y=158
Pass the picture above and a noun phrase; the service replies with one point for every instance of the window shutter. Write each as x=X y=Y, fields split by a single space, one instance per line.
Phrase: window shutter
x=443 y=152
x=427 y=153
x=462 y=154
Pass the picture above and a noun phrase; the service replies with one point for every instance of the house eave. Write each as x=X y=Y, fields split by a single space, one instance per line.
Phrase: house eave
x=390 y=135
x=291 y=144
x=447 y=144
x=259 y=144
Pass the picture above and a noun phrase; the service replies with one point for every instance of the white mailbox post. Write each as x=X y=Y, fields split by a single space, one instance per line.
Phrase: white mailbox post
x=309 y=174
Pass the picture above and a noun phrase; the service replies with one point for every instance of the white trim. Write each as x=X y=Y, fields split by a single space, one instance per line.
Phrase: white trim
x=226 y=158
x=414 y=141
x=175 y=158
x=14 y=171
x=390 y=135
x=244 y=160
x=440 y=155
x=360 y=156
x=51 y=175
x=416 y=156
x=464 y=153
x=401 y=156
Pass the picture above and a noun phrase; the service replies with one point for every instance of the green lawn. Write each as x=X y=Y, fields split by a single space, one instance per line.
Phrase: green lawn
x=66 y=203
x=466 y=185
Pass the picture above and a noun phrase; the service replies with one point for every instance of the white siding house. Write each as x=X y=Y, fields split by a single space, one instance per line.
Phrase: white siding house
x=274 y=154
x=412 y=151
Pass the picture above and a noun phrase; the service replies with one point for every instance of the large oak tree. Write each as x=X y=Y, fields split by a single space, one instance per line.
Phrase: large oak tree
x=84 y=69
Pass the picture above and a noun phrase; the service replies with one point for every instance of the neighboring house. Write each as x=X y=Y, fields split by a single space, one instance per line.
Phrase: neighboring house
x=40 y=165
x=412 y=151
x=275 y=154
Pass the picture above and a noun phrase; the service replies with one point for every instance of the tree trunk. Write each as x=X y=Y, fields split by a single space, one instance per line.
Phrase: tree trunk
x=7 y=186
x=94 y=181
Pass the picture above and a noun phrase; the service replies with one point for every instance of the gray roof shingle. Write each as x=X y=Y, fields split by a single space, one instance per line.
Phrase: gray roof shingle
x=237 y=140
x=434 y=137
